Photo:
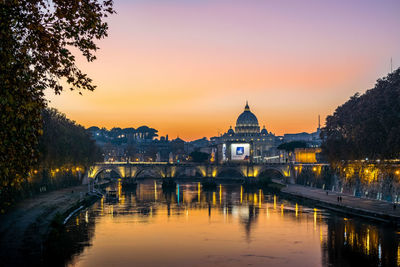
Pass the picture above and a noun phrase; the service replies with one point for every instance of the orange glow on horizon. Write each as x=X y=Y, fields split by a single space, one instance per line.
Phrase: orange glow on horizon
x=187 y=69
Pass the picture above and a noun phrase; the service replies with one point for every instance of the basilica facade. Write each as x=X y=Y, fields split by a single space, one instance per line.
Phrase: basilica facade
x=246 y=142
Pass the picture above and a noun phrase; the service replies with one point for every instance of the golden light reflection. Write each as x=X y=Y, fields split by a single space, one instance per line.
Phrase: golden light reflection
x=155 y=190
x=398 y=254
x=274 y=202
x=351 y=238
x=220 y=193
x=122 y=199
x=198 y=192
x=249 y=217
x=315 y=219
x=241 y=194
x=367 y=243
x=102 y=206
x=119 y=188
x=321 y=237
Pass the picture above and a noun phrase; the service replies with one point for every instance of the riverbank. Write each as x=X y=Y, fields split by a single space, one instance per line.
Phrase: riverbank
x=371 y=209
x=23 y=229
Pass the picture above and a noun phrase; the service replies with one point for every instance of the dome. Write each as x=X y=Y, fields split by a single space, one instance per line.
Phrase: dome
x=264 y=131
x=230 y=131
x=247 y=122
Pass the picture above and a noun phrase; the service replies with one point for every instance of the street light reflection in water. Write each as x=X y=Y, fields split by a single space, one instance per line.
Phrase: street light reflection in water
x=227 y=226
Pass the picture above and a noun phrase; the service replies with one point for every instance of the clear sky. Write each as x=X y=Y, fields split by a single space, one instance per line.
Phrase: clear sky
x=187 y=67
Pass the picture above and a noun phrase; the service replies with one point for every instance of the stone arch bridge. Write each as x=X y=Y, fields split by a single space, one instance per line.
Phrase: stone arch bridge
x=167 y=170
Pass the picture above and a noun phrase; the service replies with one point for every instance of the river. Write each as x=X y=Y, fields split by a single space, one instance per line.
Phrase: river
x=223 y=227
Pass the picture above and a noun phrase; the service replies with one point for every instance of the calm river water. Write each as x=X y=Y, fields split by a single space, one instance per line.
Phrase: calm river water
x=224 y=227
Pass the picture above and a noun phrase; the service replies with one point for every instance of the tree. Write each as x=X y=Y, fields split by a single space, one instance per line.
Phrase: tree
x=146 y=132
x=35 y=42
x=366 y=126
x=65 y=143
x=291 y=146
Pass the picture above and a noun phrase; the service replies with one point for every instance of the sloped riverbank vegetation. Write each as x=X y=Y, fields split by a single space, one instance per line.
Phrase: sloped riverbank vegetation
x=65 y=151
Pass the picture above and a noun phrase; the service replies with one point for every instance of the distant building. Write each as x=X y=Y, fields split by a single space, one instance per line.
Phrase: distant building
x=311 y=139
x=306 y=155
x=139 y=144
x=247 y=142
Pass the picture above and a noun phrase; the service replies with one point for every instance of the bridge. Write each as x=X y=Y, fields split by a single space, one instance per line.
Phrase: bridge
x=190 y=169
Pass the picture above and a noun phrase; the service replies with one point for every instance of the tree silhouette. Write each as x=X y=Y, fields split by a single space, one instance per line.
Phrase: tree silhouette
x=366 y=126
x=35 y=42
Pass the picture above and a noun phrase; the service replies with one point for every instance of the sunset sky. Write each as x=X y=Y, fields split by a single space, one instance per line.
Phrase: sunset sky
x=187 y=67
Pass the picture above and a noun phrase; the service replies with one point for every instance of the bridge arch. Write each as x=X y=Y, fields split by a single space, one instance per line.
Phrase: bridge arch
x=152 y=172
x=229 y=172
x=183 y=172
x=271 y=172
x=99 y=169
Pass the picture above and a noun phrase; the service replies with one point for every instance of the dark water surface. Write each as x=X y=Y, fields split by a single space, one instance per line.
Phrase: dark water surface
x=224 y=227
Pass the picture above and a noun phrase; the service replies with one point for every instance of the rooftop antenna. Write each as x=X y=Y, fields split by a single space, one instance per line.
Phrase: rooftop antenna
x=319 y=121
x=391 y=65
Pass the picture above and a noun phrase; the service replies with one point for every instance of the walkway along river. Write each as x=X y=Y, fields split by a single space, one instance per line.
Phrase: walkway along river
x=367 y=208
x=23 y=229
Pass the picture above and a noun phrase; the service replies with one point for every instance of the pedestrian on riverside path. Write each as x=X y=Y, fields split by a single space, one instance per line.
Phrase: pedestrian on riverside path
x=394 y=206
x=338 y=199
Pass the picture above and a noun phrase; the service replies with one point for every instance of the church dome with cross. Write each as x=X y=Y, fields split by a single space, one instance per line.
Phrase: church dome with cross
x=247 y=122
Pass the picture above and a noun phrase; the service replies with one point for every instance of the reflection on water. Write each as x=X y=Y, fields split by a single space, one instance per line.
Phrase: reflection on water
x=224 y=227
